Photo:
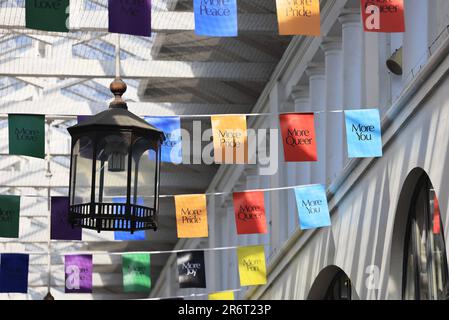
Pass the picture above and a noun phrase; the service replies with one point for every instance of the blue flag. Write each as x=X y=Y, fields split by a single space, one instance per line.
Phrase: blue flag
x=126 y=235
x=172 y=146
x=363 y=133
x=312 y=207
x=216 y=18
x=14 y=273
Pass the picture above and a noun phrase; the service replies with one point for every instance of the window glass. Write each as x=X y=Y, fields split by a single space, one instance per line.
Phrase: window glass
x=425 y=264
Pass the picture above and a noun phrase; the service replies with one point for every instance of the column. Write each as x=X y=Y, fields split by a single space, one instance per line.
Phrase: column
x=416 y=37
x=352 y=44
x=396 y=42
x=231 y=256
x=332 y=48
x=211 y=256
x=317 y=89
x=276 y=201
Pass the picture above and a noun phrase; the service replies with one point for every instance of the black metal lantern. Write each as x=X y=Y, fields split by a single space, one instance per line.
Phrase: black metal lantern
x=114 y=170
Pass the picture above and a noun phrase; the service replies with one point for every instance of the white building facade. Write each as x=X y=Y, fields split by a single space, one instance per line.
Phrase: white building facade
x=388 y=229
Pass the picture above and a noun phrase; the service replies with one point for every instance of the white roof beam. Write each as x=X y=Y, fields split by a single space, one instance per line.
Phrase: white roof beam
x=63 y=108
x=81 y=68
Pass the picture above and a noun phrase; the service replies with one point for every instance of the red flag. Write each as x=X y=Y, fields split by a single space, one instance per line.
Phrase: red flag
x=298 y=136
x=436 y=217
x=383 y=16
x=249 y=211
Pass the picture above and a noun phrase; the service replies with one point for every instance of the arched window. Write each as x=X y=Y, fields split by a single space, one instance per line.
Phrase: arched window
x=425 y=275
x=332 y=283
x=340 y=288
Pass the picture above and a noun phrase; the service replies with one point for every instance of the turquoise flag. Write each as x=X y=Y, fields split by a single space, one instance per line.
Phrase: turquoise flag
x=363 y=133
x=216 y=18
x=27 y=135
x=312 y=207
x=9 y=216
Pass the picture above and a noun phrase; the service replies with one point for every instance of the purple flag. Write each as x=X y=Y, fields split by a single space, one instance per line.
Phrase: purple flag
x=130 y=17
x=61 y=229
x=78 y=273
x=82 y=118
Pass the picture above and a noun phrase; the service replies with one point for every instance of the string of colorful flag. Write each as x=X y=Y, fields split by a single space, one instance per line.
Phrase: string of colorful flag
x=136 y=271
x=216 y=18
x=230 y=136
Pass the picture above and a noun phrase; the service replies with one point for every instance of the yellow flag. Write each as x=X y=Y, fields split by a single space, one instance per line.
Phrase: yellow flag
x=227 y=295
x=191 y=216
x=230 y=139
x=252 y=268
x=298 y=17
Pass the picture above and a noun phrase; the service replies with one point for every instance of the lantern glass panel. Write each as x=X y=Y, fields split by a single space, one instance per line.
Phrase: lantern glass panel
x=111 y=170
x=81 y=179
x=143 y=181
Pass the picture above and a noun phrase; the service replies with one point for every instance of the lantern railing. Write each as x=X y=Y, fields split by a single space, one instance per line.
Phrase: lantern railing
x=113 y=216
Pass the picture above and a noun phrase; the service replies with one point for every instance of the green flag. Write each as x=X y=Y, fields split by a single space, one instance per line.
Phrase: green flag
x=136 y=273
x=47 y=15
x=27 y=135
x=9 y=216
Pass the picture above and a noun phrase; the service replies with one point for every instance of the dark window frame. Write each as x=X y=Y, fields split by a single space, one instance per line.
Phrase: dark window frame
x=422 y=187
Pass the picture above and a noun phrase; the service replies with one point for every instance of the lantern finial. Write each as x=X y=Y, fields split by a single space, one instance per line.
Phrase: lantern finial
x=118 y=88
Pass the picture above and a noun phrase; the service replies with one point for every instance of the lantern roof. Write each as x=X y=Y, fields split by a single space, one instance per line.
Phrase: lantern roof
x=117 y=115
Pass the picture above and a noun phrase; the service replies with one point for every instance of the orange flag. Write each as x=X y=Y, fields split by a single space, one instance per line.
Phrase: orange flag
x=383 y=16
x=230 y=139
x=191 y=216
x=298 y=17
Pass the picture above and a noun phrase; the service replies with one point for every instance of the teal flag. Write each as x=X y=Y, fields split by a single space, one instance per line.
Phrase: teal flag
x=312 y=207
x=47 y=15
x=136 y=273
x=363 y=133
x=27 y=135
x=9 y=216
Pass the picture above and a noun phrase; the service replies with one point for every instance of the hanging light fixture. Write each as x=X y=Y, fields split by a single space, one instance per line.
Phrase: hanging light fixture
x=114 y=169
x=394 y=63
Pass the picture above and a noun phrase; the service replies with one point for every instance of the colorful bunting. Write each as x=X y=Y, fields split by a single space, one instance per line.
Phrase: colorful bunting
x=61 y=229
x=312 y=207
x=249 y=208
x=230 y=139
x=298 y=137
x=191 y=269
x=363 y=133
x=298 y=17
x=226 y=295
x=78 y=273
x=130 y=17
x=47 y=15
x=191 y=216
x=171 y=150
x=216 y=18
x=136 y=273
x=14 y=273
x=27 y=135
x=252 y=268
x=383 y=16
x=9 y=216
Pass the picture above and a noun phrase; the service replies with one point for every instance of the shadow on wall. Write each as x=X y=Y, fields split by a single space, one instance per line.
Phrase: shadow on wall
x=332 y=283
